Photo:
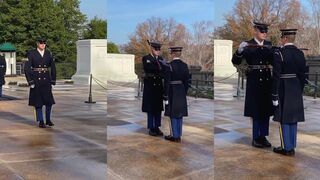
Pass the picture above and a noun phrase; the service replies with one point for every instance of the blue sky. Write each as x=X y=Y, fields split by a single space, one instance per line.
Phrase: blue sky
x=124 y=15
x=94 y=8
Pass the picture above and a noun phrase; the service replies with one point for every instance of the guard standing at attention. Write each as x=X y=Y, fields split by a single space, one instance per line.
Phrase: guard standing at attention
x=288 y=84
x=3 y=69
x=40 y=71
x=176 y=88
x=152 y=100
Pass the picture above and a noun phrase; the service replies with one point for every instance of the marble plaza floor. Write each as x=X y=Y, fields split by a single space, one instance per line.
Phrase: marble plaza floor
x=235 y=158
x=133 y=154
x=75 y=148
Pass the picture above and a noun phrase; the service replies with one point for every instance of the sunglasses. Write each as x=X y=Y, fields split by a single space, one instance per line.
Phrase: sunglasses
x=42 y=42
x=157 y=49
x=263 y=30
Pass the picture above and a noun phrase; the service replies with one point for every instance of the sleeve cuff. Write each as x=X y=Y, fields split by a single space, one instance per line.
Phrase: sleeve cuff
x=238 y=54
x=31 y=82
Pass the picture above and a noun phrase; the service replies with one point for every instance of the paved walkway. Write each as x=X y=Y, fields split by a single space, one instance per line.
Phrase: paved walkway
x=75 y=148
x=133 y=154
x=235 y=158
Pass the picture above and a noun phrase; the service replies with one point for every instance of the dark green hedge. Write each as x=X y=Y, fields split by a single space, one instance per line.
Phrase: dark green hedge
x=65 y=70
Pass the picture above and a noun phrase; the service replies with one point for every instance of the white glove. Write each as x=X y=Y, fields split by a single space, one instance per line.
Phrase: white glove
x=166 y=102
x=163 y=61
x=275 y=103
x=242 y=46
x=32 y=86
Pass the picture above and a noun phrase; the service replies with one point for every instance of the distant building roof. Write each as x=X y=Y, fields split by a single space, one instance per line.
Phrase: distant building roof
x=7 y=47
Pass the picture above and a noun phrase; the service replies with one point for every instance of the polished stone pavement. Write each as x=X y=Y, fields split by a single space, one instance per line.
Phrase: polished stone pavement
x=75 y=148
x=133 y=154
x=235 y=158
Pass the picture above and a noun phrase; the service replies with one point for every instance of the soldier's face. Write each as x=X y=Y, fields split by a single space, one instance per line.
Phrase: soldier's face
x=41 y=45
x=156 y=51
x=260 y=35
x=171 y=55
x=283 y=40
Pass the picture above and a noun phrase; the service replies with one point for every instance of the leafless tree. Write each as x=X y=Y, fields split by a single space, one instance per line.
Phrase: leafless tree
x=315 y=26
x=278 y=13
x=200 y=48
x=197 y=48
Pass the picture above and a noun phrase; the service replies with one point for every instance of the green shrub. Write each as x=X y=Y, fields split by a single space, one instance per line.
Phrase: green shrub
x=13 y=83
x=23 y=84
x=68 y=82
x=65 y=70
x=202 y=92
x=309 y=91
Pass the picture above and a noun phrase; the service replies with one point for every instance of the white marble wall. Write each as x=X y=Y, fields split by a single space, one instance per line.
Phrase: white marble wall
x=11 y=62
x=121 y=67
x=222 y=58
x=92 y=58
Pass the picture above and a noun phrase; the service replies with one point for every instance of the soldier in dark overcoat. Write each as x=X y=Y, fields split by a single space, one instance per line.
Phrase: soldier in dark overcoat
x=152 y=100
x=40 y=71
x=258 y=100
x=176 y=87
x=288 y=84
x=3 y=69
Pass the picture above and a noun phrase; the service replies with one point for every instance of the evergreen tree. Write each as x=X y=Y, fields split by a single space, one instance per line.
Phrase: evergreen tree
x=96 y=29
x=59 y=21
x=113 y=48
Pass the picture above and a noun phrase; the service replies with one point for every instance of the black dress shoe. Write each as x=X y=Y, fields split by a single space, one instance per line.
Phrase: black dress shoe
x=42 y=125
x=265 y=143
x=159 y=132
x=178 y=139
x=170 y=138
x=152 y=132
x=282 y=151
x=49 y=123
x=257 y=143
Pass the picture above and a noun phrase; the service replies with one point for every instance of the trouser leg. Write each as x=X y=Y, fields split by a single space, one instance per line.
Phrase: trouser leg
x=151 y=124
x=180 y=126
x=294 y=134
x=255 y=129
x=174 y=125
x=287 y=140
x=39 y=114
x=264 y=127
x=157 y=119
x=48 y=113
